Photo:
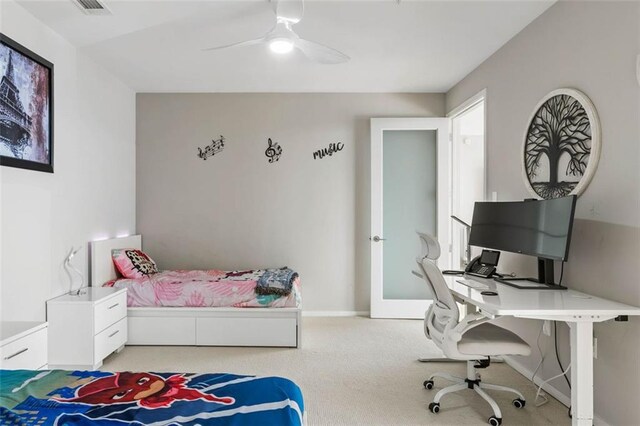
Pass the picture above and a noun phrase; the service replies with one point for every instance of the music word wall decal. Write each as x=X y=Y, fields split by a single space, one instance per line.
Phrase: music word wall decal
x=217 y=145
x=274 y=151
x=332 y=149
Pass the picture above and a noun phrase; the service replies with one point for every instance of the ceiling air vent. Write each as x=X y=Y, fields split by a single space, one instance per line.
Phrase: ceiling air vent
x=92 y=7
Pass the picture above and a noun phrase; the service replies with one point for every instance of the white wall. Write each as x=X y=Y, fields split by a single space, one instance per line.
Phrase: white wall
x=235 y=210
x=591 y=46
x=1 y=180
x=91 y=193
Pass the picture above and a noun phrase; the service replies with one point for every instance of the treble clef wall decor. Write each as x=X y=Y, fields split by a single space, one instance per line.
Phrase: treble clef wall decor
x=274 y=151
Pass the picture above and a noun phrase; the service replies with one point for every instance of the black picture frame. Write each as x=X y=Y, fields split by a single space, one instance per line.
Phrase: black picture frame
x=14 y=161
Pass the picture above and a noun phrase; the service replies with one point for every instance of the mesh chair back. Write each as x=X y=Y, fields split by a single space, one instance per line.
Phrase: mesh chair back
x=444 y=309
x=435 y=280
x=430 y=246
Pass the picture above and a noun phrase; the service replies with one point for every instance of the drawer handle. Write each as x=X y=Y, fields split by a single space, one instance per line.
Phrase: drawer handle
x=16 y=354
x=113 y=306
x=114 y=333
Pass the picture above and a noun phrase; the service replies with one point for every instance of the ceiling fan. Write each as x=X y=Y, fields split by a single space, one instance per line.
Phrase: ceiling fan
x=282 y=39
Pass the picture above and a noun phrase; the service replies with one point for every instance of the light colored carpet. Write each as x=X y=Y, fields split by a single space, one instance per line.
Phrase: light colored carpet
x=356 y=371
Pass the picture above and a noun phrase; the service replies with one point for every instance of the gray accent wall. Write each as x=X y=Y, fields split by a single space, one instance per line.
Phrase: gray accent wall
x=236 y=210
x=590 y=46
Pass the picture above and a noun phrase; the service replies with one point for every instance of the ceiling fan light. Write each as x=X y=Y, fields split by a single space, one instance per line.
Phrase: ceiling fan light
x=281 y=45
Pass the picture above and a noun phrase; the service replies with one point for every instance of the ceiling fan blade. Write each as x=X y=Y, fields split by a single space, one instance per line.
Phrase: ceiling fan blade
x=289 y=10
x=239 y=44
x=320 y=53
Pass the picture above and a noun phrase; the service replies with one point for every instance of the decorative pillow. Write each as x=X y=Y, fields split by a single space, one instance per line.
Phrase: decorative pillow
x=132 y=263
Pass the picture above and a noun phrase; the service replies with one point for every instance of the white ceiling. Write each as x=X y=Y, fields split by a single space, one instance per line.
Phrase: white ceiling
x=411 y=46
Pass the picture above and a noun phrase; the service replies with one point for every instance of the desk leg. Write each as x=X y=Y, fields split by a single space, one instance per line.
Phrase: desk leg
x=582 y=373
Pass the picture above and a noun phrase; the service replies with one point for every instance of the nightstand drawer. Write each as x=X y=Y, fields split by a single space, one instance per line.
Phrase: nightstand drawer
x=110 y=311
x=110 y=339
x=28 y=352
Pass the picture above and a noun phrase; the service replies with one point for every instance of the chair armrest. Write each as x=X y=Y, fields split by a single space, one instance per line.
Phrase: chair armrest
x=467 y=323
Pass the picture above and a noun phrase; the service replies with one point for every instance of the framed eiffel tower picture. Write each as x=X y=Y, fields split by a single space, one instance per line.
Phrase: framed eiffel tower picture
x=26 y=108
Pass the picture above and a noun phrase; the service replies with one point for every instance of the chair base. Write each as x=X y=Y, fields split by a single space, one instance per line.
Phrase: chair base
x=472 y=381
x=443 y=359
x=439 y=360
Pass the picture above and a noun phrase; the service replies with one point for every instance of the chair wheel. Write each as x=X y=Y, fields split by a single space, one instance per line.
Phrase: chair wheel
x=434 y=407
x=428 y=384
x=495 y=421
x=519 y=403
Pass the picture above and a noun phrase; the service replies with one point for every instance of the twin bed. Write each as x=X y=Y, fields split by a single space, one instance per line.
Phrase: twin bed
x=238 y=308
x=204 y=308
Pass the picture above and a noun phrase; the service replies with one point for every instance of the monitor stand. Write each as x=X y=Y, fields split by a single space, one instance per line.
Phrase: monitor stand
x=545 y=279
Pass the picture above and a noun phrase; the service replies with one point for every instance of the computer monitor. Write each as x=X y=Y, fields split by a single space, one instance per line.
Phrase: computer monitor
x=540 y=228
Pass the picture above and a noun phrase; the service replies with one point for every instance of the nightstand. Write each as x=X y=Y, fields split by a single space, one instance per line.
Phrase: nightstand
x=85 y=329
x=23 y=345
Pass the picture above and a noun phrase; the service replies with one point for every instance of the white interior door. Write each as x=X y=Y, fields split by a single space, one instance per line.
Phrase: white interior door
x=409 y=193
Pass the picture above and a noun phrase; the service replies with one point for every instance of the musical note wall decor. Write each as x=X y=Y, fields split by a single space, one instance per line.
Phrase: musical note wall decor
x=274 y=151
x=332 y=149
x=217 y=145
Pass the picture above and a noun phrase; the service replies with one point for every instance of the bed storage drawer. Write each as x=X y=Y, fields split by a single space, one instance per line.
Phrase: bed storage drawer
x=162 y=331
x=202 y=326
x=236 y=331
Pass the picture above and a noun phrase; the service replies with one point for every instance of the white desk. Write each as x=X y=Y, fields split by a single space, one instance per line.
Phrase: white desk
x=577 y=309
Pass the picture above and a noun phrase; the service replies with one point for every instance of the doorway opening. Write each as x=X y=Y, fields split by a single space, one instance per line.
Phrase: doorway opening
x=468 y=171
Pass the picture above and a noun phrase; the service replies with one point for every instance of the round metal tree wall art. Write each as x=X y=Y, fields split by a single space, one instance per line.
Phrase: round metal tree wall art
x=561 y=145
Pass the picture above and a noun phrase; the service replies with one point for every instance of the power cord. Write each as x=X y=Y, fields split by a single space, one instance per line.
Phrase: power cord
x=555 y=341
x=555 y=338
x=555 y=333
x=543 y=354
x=564 y=372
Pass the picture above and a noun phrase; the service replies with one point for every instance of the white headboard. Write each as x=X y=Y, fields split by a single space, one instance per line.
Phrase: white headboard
x=102 y=267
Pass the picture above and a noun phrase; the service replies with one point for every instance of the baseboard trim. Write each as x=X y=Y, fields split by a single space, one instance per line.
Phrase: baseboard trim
x=335 y=313
x=548 y=388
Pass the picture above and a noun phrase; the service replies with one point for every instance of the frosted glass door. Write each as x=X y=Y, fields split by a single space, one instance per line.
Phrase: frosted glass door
x=409 y=193
x=409 y=174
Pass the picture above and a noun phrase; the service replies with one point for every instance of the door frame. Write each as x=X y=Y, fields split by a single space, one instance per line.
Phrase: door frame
x=402 y=308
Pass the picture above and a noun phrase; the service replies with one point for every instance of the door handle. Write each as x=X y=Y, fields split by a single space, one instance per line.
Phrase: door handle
x=376 y=239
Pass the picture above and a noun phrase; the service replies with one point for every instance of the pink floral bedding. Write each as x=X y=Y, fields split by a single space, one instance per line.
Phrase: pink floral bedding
x=211 y=288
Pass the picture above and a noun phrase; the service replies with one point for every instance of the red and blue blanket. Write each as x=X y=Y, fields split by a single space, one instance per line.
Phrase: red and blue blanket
x=58 y=397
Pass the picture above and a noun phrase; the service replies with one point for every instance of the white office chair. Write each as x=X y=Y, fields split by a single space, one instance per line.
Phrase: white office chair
x=473 y=339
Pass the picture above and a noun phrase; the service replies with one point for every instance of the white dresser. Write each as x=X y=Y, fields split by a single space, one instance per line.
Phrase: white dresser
x=85 y=329
x=23 y=345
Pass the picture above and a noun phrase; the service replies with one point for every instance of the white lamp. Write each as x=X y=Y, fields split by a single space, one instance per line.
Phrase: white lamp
x=69 y=268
